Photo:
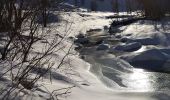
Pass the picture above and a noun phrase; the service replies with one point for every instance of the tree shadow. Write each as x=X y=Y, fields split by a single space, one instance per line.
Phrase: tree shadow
x=51 y=18
x=53 y=75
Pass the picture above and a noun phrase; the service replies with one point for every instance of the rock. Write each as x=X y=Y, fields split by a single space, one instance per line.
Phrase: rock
x=71 y=38
x=146 y=41
x=81 y=35
x=165 y=50
x=114 y=30
x=85 y=84
x=152 y=54
x=143 y=41
x=118 y=36
x=82 y=41
x=82 y=57
x=99 y=42
x=128 y=34
x=95 y=30
x=130 y=47
x=105 y=27
x=103 y=47
x=124 y=40
x=153 y=59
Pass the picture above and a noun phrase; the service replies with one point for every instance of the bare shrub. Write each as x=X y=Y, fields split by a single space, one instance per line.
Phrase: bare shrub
x=22 y=34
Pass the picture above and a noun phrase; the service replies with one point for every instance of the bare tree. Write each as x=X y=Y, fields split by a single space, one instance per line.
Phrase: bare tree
x=93 y=5
x=154 y=8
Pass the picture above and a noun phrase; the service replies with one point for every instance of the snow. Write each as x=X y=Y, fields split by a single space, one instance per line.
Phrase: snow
x=148 y=33
x=79 y=24
x=78 y=73
x=155 y=59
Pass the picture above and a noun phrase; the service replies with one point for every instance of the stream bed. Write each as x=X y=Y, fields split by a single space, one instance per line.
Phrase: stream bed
x=116 y=73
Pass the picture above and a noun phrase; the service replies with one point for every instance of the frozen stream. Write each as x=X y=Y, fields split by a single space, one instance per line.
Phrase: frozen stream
x=120 y=75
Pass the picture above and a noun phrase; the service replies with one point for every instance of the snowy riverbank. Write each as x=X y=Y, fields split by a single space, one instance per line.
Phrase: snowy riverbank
x=92 y=82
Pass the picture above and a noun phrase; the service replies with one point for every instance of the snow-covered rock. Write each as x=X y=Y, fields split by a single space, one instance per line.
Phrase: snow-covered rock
x=153 y=59
x=146 y=41
x=148 y=34
x=103 y=47
x=127 y=47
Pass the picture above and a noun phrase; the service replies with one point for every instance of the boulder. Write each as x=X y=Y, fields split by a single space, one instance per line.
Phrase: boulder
x=103 y=47
x=124 y=39
x=118 y=36
x=71 y=38
x=99 y=41
x=143 y=41
x=95 y=30
x=105 y=27
x=146 y=41
x=130 y=34
x=82 y=41
x=81 y=35
x=130 y=47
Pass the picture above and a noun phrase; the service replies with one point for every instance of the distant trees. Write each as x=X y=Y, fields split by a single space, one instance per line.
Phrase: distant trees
x=155 y=8
x=93 y=5
x=115 y=6
x=129 y=6
x=132 y=5
x=82 y=2
x=76 y=2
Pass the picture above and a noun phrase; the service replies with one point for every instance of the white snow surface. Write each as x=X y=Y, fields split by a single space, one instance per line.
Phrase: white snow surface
x=88 y=86
x=149 y=32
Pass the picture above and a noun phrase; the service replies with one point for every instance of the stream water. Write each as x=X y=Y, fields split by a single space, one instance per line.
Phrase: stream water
x=118 y=74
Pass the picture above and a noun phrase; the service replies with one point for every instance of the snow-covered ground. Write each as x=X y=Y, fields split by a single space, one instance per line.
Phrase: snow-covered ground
x=88 y=86
x=94 y=86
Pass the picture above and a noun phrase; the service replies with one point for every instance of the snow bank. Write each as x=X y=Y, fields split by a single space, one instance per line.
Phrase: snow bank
x=148 y=33
x=153 y=59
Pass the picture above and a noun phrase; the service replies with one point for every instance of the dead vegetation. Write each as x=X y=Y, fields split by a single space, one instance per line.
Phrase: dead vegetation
x=18 y=22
